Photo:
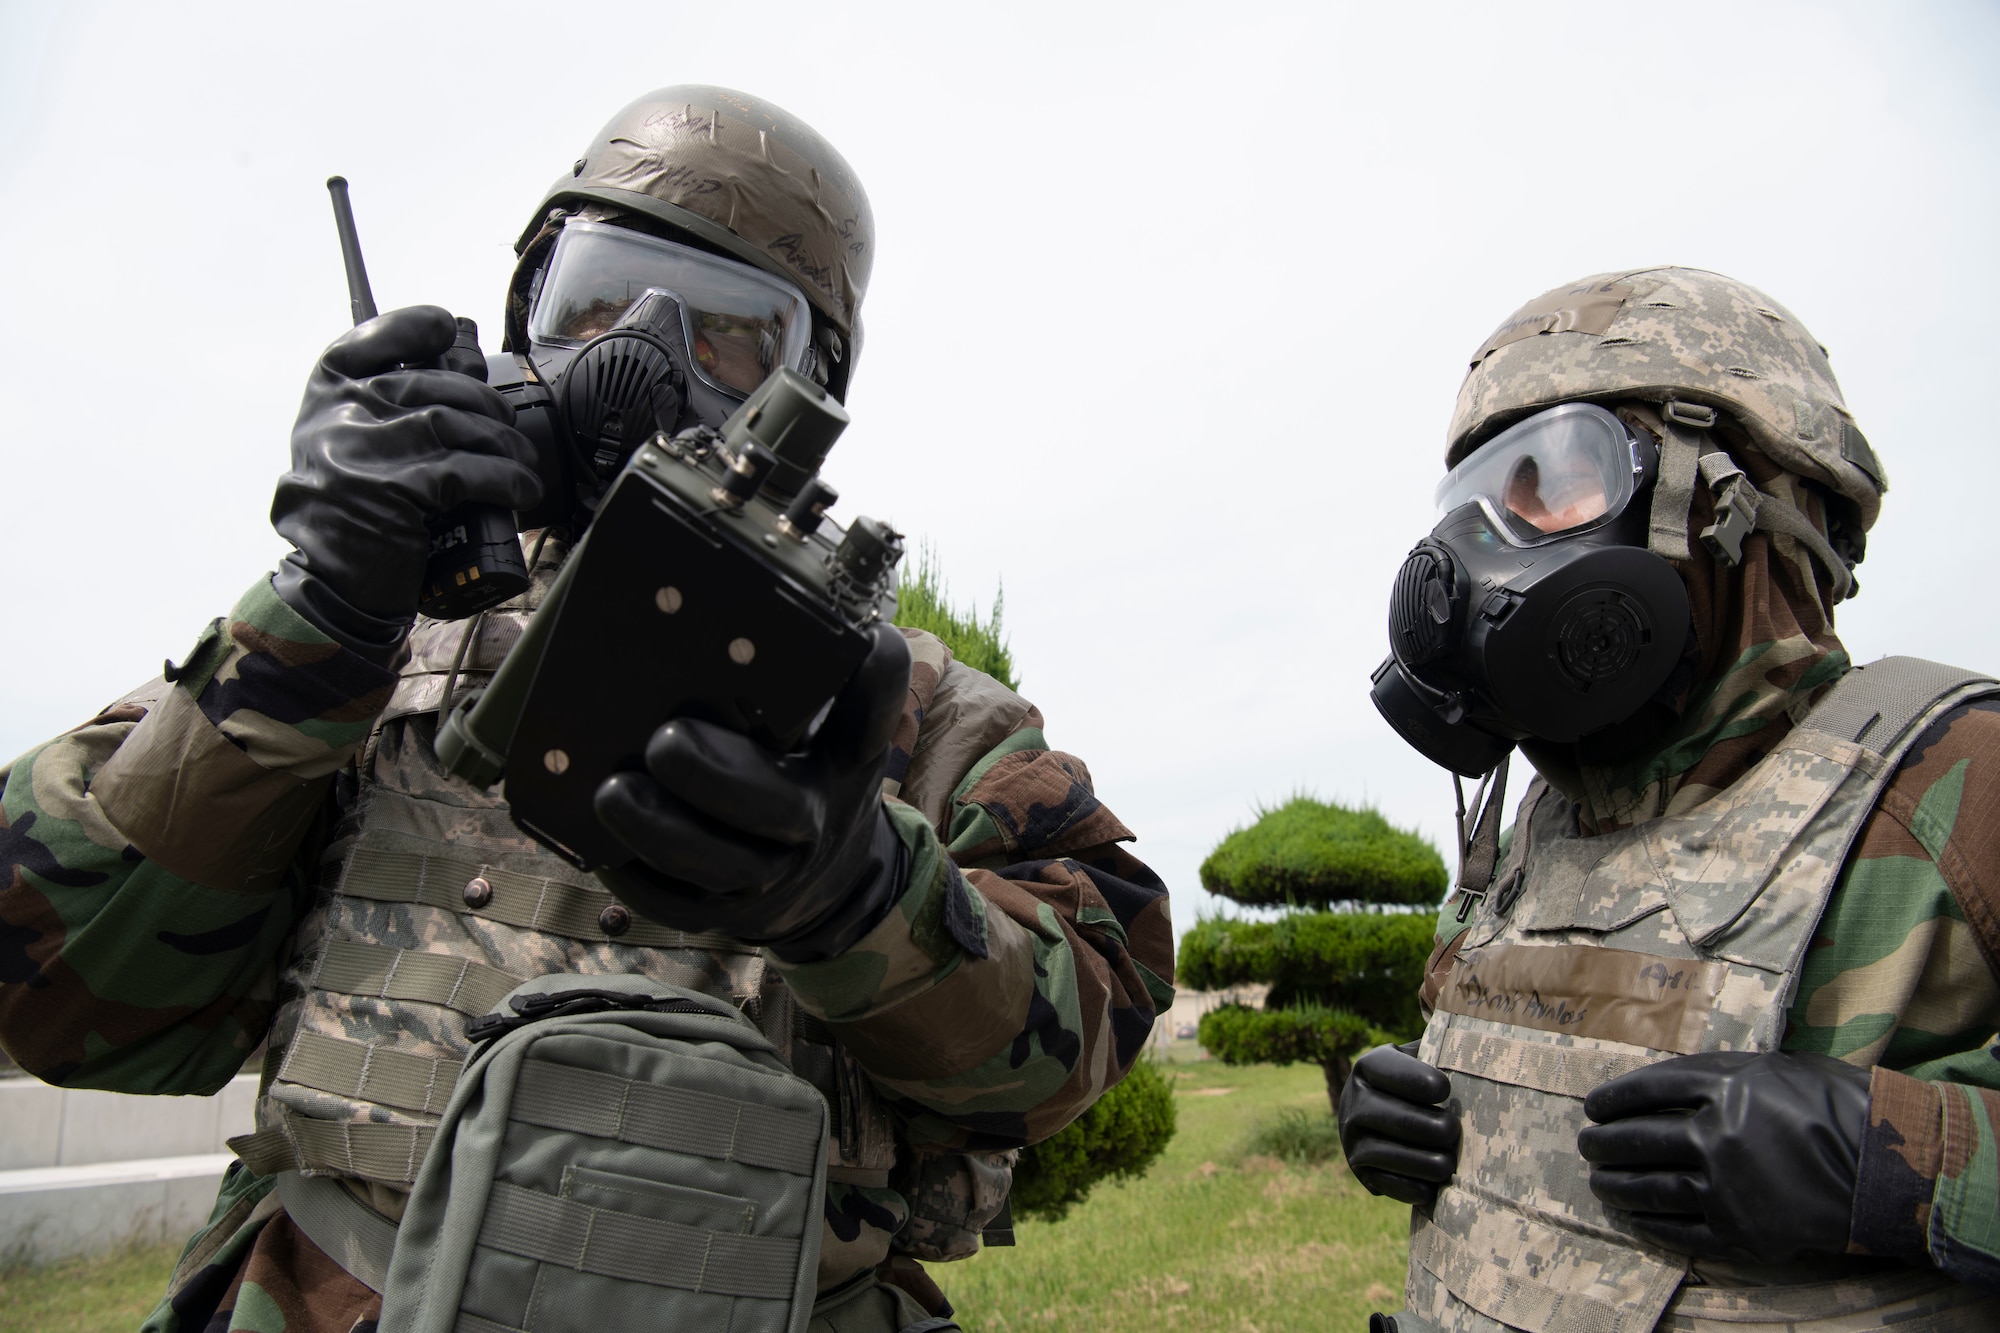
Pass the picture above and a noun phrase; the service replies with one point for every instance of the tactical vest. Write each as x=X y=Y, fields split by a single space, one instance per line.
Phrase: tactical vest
x=1595 y=956
x=431 y=905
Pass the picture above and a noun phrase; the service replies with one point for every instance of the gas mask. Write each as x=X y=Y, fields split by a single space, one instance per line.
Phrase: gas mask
x=631 y=336
x=1534 y=608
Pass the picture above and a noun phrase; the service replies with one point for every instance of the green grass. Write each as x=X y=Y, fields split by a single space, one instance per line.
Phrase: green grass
x=1214 y=1237
x=97 y=1295
x=1221 y=1236
x=1298 y=1136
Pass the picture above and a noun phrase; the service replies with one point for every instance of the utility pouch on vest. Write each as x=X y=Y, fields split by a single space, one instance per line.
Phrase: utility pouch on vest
x=619 y=1153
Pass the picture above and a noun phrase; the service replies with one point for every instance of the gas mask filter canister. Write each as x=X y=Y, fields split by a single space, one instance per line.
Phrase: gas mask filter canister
x=1534 y=608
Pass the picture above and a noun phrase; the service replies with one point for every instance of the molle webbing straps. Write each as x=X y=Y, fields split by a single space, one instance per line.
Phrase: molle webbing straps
x=353 y=968
x=616 y=1244
x=680 y=1120
x=533 y=902
x=388 y=1153
x=370 y=1073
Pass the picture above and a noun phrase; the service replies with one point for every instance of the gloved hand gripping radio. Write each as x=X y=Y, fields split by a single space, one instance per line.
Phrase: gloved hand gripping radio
x=710 y=586
x=405 y=467
x=646 y=720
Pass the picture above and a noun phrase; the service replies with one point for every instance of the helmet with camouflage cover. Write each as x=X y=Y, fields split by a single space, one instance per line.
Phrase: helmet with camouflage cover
x=1674 y=335
x=737 y=175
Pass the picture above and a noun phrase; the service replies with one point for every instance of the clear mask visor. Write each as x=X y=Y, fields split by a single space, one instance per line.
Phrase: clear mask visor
x=1560 y=472
x=741 y=324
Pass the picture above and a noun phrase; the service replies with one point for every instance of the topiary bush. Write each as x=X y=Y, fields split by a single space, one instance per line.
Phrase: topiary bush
x=1307 y=853
x=1340 y=981
x=1121 y=1135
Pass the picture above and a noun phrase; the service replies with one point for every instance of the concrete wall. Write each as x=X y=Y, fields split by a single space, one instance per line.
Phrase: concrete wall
x=48 y=1126
x=84 y=1171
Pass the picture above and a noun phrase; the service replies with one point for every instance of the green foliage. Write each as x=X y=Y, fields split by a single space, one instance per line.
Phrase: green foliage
x=1207 y=1241
x=1298 y=1136
x=1310 y=1034
x=1369 y=963
x=924 y=602
x=1118 y=1137
x=1309 y=853
x=1340 y=982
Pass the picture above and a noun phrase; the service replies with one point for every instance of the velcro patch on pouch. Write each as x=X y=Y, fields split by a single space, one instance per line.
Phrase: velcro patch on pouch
x=1583 y=991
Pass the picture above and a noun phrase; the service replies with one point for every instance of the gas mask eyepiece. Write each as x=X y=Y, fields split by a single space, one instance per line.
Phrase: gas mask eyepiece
x=635 y=335
x=1534 y=608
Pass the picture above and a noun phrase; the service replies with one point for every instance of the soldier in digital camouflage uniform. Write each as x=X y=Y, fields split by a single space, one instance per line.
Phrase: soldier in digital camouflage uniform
x=1713 y=1045
x=263 y=846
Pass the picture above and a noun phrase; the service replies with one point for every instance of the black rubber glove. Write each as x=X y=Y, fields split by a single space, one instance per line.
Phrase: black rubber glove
x=1399 y=1142
x=376 y=451
x=793 y=851
x=1731 y=1154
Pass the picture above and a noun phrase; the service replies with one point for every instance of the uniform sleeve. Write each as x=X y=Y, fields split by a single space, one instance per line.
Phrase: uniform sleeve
x=147 y=877
x=1904 y=977
x=1020 y=973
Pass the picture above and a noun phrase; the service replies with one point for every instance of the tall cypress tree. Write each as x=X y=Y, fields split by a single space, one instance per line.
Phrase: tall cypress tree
x=1343 y=963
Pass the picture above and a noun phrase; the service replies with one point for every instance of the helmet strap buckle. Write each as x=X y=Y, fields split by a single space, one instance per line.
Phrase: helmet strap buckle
x=1699 y=416
x=1736 y=503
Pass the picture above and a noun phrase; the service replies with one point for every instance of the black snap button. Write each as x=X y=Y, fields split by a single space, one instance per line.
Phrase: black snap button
x=615 y=920
x=478 y=892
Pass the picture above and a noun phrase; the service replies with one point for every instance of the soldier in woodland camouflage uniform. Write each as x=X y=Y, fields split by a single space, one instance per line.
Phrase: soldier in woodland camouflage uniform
x=1713 y=1044
x=263 y=846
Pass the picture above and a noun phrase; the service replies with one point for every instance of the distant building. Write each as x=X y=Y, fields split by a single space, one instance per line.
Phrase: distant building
x=1190 y=1005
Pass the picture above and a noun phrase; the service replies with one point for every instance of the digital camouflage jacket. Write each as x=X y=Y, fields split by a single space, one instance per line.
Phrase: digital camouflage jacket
x=161 y=865
x=1903 y=972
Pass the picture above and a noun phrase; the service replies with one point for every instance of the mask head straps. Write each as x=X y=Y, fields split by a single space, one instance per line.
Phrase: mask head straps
x=1689 y=454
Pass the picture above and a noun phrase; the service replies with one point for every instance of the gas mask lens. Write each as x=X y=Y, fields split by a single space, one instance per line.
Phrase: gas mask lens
x=1559 y=472
x=740 y=324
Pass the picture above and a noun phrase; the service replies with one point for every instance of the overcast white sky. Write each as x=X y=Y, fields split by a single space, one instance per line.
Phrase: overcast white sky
x=1170 y=304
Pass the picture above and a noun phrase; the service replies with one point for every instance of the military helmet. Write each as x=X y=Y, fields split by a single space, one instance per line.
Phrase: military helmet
x=740 y=175
x=1673 y=335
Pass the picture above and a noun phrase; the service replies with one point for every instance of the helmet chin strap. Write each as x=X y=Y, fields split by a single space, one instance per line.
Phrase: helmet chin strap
x=1689 y=455
x=1479 y=844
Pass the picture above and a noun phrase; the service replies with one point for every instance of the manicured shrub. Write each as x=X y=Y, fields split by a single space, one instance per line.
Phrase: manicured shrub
x=1307 y=853
x=1340 y=981
x=1120 y=1136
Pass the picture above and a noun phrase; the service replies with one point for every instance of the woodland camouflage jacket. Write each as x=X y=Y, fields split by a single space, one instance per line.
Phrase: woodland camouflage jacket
x=155 y=861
